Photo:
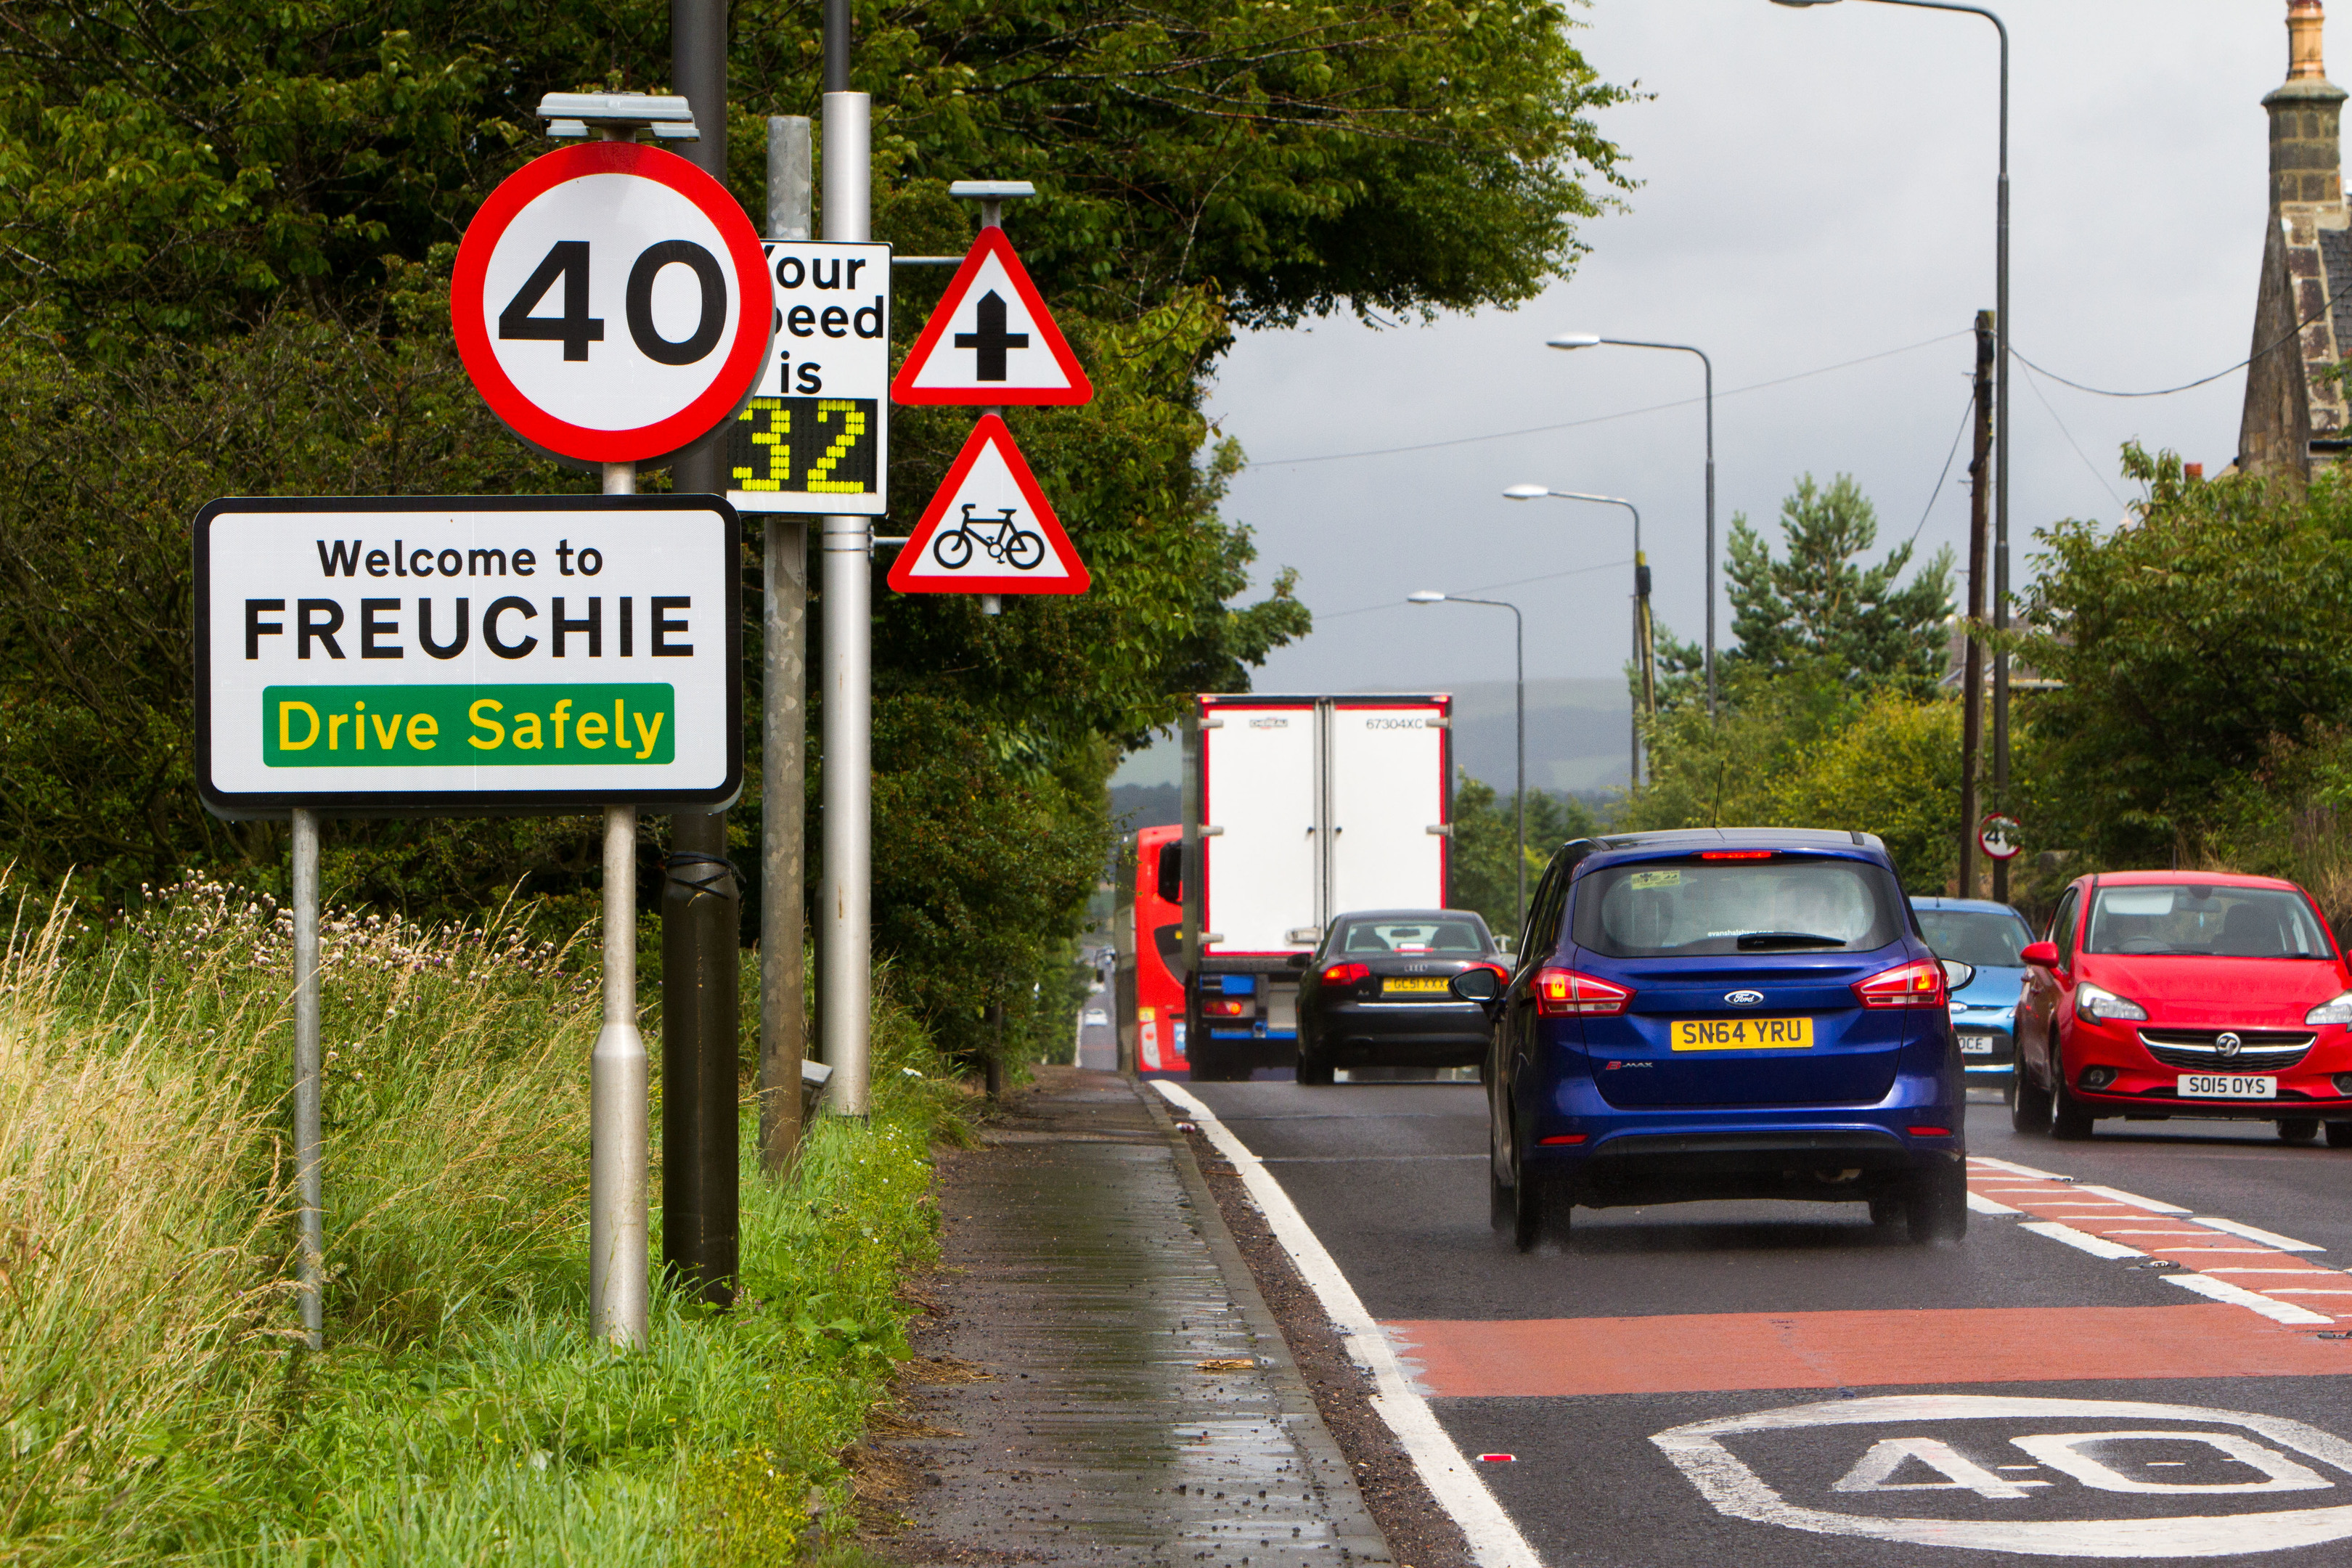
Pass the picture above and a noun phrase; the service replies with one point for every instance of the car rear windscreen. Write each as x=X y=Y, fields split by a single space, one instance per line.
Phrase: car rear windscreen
x=1987 y=939
x=1693 y=908
x=1377 y=938
x=2191 y=918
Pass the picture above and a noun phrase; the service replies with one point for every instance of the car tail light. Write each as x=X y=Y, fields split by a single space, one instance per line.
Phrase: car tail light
x=1502 y=975
x=1735 y=853
x=1562 y=992
x=1925 y=1132
x=1347 y=974
x=1564 y=1138
x=1228 y=1007
x=1919 y=985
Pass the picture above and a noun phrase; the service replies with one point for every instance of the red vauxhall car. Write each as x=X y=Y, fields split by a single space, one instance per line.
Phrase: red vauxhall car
x=2164 y=994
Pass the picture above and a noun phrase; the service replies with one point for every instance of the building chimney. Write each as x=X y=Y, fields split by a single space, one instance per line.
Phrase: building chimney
x=2306 y=160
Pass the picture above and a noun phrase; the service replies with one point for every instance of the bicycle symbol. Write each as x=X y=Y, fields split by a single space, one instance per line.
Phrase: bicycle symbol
x=1020 y=547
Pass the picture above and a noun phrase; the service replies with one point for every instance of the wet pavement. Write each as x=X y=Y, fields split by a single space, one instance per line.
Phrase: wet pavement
x=1136 y=1403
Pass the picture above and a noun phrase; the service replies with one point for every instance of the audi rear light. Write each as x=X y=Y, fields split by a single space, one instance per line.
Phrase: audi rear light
x=1564 y=993
x=1919 y=985
x=1346 y=973
x=1501 y=974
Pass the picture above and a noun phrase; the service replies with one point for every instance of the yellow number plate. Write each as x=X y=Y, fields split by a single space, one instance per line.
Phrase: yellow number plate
x=1412 y=987
x=1743 y=1034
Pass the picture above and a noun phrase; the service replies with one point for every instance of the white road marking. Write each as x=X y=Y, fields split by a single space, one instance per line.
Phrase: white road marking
x=2239 y=1296
x=2097 y=1246
x=1725 y=1480
x=1494 y=1541
x=2255 y=1233
x=1983 y=1205
x=1988 y=1163
x=2150 y=1204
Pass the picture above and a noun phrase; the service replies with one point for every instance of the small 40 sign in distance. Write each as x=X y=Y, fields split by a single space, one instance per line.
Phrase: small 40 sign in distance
x=611 y=303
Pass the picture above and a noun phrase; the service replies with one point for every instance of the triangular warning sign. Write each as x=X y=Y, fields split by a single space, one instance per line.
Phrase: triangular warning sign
x=991 y=341
x=989 y=529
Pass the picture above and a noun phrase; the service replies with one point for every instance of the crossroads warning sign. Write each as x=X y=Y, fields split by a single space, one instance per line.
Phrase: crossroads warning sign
x=990 y=529
x=991 y=341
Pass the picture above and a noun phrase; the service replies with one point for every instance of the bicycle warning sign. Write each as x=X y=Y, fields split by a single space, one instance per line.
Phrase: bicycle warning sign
x=990 y=529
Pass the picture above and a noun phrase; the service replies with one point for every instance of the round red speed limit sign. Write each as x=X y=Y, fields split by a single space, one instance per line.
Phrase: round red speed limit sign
x=611 y=302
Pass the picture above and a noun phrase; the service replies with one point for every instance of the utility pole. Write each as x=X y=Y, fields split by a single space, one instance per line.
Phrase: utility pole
x=846 y=898
x=700 y=903
x=784 y=708
x=1972 y=671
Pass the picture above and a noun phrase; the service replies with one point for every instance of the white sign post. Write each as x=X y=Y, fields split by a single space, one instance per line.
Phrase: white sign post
x=815 y=438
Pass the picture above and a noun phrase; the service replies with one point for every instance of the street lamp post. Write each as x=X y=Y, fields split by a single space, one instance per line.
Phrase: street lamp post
x=1520 y=685
x=2001 y=396
x=1590 y=341
x=1644 y=646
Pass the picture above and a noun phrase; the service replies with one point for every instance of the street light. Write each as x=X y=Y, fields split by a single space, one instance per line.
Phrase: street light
x=1520 y=658
x=1644 y=646
x=2000 y=410
x=1594 y=340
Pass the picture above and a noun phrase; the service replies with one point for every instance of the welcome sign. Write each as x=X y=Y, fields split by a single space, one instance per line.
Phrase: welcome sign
x=385 y=656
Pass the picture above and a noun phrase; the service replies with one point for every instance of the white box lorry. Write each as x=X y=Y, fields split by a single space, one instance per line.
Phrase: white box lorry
x=1296 y=809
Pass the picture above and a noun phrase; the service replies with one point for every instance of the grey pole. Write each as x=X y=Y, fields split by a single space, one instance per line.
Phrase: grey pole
x=311 y=1249
x=1538 y=492
x=784 y=1018
x=618 y=1288
x=2001 y=411
x=846 y=916
x=1587 y=340
x=1519 y=687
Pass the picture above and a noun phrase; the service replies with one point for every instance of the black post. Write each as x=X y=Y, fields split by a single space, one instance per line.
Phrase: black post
x=836 y=46
x=701 y=1201
x=1972 y=671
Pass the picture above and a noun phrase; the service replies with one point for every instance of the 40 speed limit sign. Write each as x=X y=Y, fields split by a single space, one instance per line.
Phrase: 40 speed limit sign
x=611 y=303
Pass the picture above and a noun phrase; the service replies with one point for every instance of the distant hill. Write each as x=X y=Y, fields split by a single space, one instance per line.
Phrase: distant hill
x=1145 y=805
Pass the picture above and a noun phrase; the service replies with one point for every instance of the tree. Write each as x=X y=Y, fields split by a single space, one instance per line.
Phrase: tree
x=2187 y=643
x=1822 y=607
x=1485 y=844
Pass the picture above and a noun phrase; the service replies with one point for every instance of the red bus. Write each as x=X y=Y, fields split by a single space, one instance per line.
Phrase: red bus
x=1147 y=928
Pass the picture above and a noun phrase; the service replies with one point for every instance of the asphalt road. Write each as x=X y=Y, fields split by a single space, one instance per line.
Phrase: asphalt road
x=2137 y=1378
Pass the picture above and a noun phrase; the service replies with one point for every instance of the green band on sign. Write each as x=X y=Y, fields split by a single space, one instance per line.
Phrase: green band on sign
x=469 y=726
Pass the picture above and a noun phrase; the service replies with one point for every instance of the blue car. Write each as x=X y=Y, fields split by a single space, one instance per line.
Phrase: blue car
x=1991 y=938
x=1722 y=1013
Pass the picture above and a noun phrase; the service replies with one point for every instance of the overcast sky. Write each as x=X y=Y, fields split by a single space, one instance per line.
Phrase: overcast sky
x=1817 y=187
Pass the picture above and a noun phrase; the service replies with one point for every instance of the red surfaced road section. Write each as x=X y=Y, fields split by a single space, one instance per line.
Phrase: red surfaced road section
x=1553 y=1357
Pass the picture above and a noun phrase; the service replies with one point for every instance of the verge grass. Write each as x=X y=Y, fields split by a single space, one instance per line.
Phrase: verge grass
x=155 y=1402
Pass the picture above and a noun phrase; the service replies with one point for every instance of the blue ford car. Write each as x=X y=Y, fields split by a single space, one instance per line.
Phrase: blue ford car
x=1990 y=939
x=1722 y=1013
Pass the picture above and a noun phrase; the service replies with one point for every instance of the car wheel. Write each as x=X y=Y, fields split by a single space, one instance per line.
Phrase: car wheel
x=2070 y=1119
x=1538 y=1211
x=2339 y=1135
x=2029 y=1103
x=1501 y=1205
x=1314 y=1070
x=2298 y=1129
x=1937 y=1206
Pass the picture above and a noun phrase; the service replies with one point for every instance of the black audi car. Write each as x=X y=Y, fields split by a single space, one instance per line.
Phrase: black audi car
x=1374 y=993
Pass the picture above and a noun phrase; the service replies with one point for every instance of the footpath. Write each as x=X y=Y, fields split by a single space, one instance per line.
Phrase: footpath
x=1097 y=1379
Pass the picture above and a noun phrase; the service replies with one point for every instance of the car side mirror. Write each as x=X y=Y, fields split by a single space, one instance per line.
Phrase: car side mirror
x=2041 y=954
x=1479 y=985
x=1299 y=960
x=1957 y=975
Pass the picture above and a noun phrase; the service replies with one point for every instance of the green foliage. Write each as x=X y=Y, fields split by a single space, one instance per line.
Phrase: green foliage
x=1732 y=772
x=156 y=1405
x=1821 y=607
x=1894 y=770
x=2190 y=643
x=1484 y=848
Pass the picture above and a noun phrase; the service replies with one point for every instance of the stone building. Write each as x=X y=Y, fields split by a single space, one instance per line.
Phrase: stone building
x=2296 y=411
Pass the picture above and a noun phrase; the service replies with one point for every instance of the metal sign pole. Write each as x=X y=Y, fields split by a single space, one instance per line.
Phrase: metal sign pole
x=310 y=1263
x=618 y=1287
x=846 y=957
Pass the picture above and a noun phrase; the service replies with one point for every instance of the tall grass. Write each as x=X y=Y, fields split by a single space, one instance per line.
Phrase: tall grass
x=154 y=1401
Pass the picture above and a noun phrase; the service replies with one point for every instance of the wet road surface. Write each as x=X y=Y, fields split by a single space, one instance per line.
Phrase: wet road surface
x=2143 y=1351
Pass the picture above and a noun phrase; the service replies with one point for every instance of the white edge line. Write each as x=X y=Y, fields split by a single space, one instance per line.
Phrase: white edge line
x=2097 y=1246
x=2015 y=1170
x=1494 y=1541
x=2119 y=1195
x=2255 y=1233
x=2239 y=1296
x=1983 y=1204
